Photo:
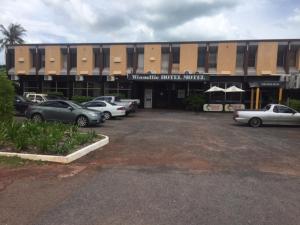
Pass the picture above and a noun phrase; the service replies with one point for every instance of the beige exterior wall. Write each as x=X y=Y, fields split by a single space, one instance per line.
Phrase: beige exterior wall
x=188 y=58
x=226 y=59
x=118 y=60
x=53 y=60
x=152 y=58
x=266 y=58
x=22 y=59
x=85 y=60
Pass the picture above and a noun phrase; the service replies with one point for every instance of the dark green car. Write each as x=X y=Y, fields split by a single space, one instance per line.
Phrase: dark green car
x=64 y=111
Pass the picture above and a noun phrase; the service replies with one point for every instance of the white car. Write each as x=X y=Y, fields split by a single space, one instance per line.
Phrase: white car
x=38 y=98
x=109 y=109
x=271 y=114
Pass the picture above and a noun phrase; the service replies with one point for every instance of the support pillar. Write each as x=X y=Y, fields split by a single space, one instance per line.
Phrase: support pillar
x=280 y=96
x=252 y=98
x=257 y=99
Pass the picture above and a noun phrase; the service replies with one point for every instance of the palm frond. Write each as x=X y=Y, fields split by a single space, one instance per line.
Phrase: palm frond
x=12 y=34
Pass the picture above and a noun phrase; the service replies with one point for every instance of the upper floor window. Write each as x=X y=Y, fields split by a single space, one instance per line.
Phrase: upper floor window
x=252 y=51
x=33 y=57
x=165 y=53
x=106 y=57
x=213 y=51
x=201 y=56
x=281 y=55
x=41 y=56
x=293 y=55
x=10 y=58
x=130 y=57
x=176 y=55
x=240 y=56
x=140 y=52
x=64 y=56
x=73 y=57
x=96 y=53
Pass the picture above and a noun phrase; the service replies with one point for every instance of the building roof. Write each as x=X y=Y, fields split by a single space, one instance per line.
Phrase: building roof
x=163 y=42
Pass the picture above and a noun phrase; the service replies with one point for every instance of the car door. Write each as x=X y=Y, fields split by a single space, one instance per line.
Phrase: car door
x=64 y=112
x=289 y=115
x=99 y=106
x=284 y=114
x=48 y=110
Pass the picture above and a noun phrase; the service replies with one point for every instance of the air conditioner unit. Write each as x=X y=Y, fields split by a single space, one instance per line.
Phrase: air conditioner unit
x=48 y=78
x=14 y=77
x=110 y=78
x=79 y=78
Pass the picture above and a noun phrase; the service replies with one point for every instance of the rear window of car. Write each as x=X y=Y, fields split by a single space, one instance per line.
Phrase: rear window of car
x=39 y=98
x=30 y=97
x=268 y=107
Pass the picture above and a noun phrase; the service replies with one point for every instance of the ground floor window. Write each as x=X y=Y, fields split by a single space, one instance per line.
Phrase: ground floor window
x=87 y=88
x=122 y=89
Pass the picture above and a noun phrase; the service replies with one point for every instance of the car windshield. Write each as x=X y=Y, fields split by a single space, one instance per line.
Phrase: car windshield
x=112 y=103
x=117 y=99
x=74 y=105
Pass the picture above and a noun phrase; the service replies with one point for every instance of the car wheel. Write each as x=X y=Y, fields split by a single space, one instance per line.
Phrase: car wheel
x=107 y=115
x=82 y=121
x=255 y=122
x=38 y=118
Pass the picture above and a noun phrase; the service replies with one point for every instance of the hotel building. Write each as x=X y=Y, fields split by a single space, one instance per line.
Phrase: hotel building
x=160 y=74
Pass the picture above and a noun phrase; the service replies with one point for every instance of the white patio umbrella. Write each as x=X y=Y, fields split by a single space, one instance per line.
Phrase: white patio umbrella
x=215 y=89
x=233 y=89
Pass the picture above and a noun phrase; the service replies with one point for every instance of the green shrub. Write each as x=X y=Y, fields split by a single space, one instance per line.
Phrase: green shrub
x=194 y=102
x=45 y=138
x=80 y=99
x=7 y=94
x=295 y=104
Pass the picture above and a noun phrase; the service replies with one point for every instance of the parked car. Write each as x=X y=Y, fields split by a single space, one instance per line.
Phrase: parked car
x=21 y=104
x=64 y=111
x=109 y=109
x=38 y=98
x=271 y=114
x=130 y=106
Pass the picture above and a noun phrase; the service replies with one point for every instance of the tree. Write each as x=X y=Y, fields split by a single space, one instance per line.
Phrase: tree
x=11 y=35
x=7 y=94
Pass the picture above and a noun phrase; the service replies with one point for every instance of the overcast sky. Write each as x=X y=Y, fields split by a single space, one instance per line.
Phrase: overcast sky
x=151 y=20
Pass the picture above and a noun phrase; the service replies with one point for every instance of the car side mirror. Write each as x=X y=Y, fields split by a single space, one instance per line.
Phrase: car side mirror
x=70 y=108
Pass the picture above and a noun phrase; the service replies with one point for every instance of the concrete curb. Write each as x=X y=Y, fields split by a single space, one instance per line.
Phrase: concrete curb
x=61 y=159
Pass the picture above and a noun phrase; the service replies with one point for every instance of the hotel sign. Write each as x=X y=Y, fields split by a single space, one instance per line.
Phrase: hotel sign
x=168 y=77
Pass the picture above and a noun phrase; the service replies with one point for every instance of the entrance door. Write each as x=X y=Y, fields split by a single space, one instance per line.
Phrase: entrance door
x=148 y=99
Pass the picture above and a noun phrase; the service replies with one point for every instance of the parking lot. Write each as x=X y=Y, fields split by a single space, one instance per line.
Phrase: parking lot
x=203 y=141
x=165 y=167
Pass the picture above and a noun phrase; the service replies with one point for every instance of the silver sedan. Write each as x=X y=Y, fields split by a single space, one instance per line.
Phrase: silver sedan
x=271 y=114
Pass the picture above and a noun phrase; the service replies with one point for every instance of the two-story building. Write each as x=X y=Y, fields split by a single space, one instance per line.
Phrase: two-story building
x=161 y=74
